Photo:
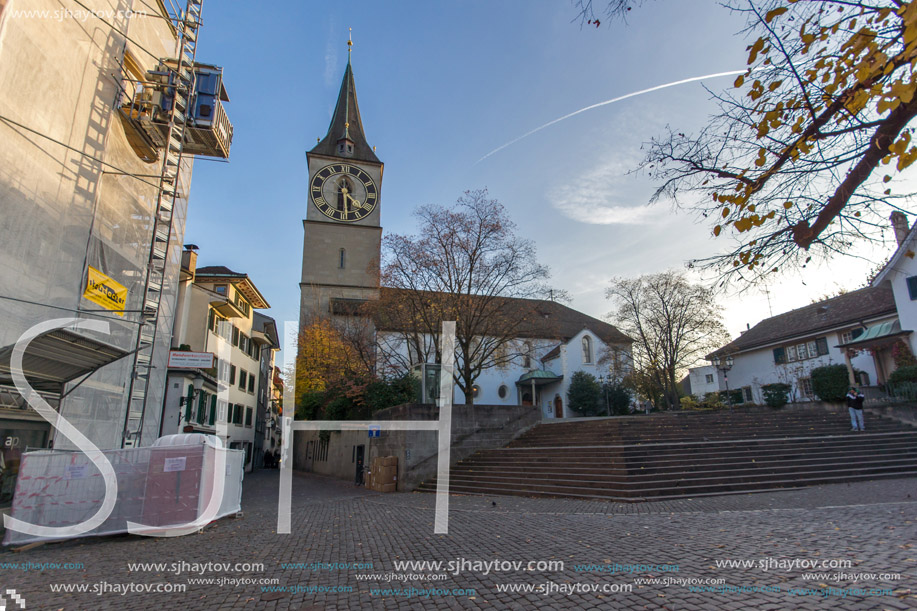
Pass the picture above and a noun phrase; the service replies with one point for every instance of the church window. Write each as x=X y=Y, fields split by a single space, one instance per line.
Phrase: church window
x=342 y=260
x=587 y=349
x=527 y=355
x=502 y=391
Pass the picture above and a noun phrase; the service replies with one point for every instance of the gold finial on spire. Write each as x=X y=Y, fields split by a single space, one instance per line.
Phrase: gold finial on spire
x=318 y=139
x=349 y=42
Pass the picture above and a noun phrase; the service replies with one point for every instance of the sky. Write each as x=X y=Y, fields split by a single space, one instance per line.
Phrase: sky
x=445 y=90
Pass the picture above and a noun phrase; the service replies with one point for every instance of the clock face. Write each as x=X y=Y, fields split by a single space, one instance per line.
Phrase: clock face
x=343 y=192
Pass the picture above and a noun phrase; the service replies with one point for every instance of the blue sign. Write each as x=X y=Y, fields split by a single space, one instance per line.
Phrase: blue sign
x=375 y=430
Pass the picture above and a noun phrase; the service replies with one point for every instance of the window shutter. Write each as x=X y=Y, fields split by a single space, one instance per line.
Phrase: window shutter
x=822 y=344
x=779 y=356
x=201 y=406
x=213 y=410
x=188 y=402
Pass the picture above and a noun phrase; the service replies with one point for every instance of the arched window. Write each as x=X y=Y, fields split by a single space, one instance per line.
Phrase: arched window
x=587 y=349
x=527 y=355
x=344 y=187
x=343 y=258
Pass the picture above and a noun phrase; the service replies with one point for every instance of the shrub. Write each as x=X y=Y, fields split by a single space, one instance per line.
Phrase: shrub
x=712 y=400
x=689 y=402
x=776 y=395
x=904 y=374
x=902 y=355
x=585 y=394
x=619 y=398
x=830 y=382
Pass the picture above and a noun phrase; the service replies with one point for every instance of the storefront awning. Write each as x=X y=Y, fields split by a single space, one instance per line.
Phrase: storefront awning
x=57 y=357
x=877 y=336
x=538 y=377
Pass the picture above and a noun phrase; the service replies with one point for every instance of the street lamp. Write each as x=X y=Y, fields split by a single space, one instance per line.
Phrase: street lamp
x=604 y=381
x=724 y=365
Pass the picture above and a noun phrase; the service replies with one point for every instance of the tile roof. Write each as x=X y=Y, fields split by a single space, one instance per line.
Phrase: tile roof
x=544 y=319
x=346 y=123
x=838 y=312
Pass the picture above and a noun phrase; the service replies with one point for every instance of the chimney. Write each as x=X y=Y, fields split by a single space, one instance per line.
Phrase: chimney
x=899 y=224
x=189 y=259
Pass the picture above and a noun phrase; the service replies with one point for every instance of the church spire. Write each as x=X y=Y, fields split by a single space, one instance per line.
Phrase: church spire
x=345 y=137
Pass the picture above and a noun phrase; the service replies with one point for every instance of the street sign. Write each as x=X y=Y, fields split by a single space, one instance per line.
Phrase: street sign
x=182 y=359
x=375 y=430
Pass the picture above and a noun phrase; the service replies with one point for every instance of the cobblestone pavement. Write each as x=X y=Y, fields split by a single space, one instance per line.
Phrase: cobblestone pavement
x=855 y=541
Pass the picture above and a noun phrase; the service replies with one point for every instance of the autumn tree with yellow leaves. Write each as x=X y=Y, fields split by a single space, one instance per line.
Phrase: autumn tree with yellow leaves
x=806 y=151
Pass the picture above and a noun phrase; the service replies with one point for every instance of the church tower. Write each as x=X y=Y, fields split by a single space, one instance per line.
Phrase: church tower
x=342 y=232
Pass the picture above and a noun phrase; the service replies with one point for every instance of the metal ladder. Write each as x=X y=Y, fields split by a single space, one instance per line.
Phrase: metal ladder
x=181 y=81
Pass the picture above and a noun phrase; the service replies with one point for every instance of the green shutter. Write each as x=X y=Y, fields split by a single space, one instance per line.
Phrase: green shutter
x=213 y=410
x=188 y=402
x=201 y=403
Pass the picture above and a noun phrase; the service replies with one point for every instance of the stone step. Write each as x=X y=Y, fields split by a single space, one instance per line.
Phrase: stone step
x=670 y=456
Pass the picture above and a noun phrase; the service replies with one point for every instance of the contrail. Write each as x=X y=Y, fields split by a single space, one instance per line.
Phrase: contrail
x=605 y=103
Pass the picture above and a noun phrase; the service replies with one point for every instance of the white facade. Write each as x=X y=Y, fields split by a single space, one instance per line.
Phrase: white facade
x=498 y=385
x=757 y=367
x=703 y=380
x=899 y=272
x=215 y=314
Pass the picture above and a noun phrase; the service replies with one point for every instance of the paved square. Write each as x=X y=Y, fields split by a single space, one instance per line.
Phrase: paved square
x=844 y=546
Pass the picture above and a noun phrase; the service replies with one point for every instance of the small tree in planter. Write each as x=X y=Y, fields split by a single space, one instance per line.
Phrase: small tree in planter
x=585 y=394
x=830 y=382
x=776 y=395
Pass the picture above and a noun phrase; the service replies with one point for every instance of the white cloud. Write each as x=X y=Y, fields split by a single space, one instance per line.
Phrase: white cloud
x=602 y=196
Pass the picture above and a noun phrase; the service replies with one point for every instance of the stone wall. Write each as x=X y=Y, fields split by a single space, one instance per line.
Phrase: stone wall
x=474 y=427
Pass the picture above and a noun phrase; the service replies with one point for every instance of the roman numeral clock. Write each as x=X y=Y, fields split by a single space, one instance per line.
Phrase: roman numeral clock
x=343 y=192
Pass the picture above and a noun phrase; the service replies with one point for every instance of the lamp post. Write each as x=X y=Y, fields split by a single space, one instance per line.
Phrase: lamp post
x=604 y=381
x=724 y=365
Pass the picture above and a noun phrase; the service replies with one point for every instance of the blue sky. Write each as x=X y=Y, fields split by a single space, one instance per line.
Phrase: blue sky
x=441 y=85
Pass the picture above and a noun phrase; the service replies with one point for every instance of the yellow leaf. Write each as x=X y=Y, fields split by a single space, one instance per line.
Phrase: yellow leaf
x=740 y=80
x=771 y=15
x=717 y=230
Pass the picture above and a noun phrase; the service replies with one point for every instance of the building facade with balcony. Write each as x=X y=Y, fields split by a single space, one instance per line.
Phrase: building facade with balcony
x=215 y=313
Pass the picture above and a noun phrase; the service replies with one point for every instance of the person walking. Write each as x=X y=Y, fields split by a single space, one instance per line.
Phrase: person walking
x=855 y=401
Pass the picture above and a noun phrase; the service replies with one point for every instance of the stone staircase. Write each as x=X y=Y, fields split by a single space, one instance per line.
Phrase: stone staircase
x=688 y=454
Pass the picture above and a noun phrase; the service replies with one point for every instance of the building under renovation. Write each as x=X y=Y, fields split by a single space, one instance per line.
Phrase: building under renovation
x=101 y=115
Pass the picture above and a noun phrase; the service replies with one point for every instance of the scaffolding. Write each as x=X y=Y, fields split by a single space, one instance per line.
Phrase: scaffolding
x=163 y=105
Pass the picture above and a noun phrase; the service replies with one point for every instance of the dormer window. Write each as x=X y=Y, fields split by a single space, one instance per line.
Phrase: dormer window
x=345 y=147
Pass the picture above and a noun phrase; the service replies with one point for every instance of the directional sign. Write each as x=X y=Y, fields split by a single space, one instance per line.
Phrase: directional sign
x=375 y=430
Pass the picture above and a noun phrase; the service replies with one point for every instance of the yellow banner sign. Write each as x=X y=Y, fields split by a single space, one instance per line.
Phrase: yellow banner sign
x=104 y=291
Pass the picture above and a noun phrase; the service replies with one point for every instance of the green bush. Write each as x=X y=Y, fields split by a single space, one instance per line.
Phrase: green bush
x=689 y=402
x=830 y=382
x=712 y=400
x=357 y=400
x=776 y=395
x=585 y=394
x=619 y=398
x=904 y=374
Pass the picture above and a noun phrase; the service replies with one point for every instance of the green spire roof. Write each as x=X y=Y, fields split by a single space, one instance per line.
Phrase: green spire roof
x=346 y=125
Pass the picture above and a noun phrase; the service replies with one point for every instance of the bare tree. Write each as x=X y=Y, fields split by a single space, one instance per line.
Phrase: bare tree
x=800 y=159
x=674 y=324
x=468 y=265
